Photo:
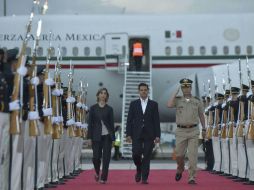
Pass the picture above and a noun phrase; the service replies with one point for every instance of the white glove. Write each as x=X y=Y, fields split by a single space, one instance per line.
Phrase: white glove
x=85 y=107
x=35 y=81
x=79 y=105
x=70 y=99
x=33 y=115
x=229 y=99
x=60 y=118
x=55 y=120
x=47 y=111
x=56 y=92
x=14 y=105
x=78 y=124
x=70 y=122
x=22 y=70
x=49 y=82
x=84 y=126
x=61 y=91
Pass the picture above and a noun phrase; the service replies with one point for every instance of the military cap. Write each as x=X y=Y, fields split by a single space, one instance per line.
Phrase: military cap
x=65 y=89
x=235 y=90
x=185 y=82
x=12 y=54
x=227 y=92
x=252 y=82
x=40 y=69
x=218 y=96
x=245 y=87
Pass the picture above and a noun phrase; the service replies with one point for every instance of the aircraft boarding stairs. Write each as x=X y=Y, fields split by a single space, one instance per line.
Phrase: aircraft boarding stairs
x=130 y=93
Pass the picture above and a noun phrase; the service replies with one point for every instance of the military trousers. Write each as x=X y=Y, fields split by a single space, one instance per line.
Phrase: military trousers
x=187 y=142
x=217 y=154
x=4 y=150
x=17 y=148
x=29 y=159
x=42 y=156
x=250 y=154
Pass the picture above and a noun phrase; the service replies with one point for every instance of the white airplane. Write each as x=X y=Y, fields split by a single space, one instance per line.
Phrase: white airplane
x=175 y=47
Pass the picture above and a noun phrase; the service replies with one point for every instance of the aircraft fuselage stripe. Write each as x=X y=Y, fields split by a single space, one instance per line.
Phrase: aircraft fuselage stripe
x=155 y=66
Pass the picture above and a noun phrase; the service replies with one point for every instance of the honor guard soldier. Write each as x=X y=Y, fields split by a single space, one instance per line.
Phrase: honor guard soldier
x=216 y=131
x=189 y=110
x=234 y=105
x=41 y=143
x=241 y=133
x=209 y=157
x=224 y=139
x=250 y=137
x=4 y=125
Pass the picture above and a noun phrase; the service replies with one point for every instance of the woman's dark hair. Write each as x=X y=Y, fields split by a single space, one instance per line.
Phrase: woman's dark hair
x=100 y=91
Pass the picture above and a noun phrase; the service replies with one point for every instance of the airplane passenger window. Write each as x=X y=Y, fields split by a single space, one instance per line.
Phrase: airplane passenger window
x=249 y=50
x=98 y=51
x=63 y=51
x=53 y=51
x=202 y=50
x=75 y=51
x=237 y=50
x=28 y=51
x=225 y=50
x=214 y=50
x=191 y=50
x=167 y=50
x=87 y=51
x=179 y=50
x=40 y=51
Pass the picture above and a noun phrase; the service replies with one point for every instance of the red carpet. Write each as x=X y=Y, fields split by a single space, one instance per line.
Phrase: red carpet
x=158 y=180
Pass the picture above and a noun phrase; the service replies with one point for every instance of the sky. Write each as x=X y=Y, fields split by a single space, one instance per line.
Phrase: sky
x=23 y=7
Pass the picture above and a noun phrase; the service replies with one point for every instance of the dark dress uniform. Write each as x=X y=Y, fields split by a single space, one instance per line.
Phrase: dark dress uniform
x=209 y=157
x=4 y=132
x=234 y=104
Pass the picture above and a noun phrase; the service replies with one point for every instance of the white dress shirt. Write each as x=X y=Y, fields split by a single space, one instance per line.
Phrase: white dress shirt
x=144 y=104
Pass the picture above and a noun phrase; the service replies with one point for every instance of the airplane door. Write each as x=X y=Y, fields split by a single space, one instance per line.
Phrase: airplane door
x=116 y=50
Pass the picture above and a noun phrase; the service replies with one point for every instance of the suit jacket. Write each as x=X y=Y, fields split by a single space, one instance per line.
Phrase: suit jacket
x=96 y=115
x=145 y=125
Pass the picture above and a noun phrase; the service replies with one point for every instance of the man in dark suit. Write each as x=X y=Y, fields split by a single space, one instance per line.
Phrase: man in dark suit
x=143 y=130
